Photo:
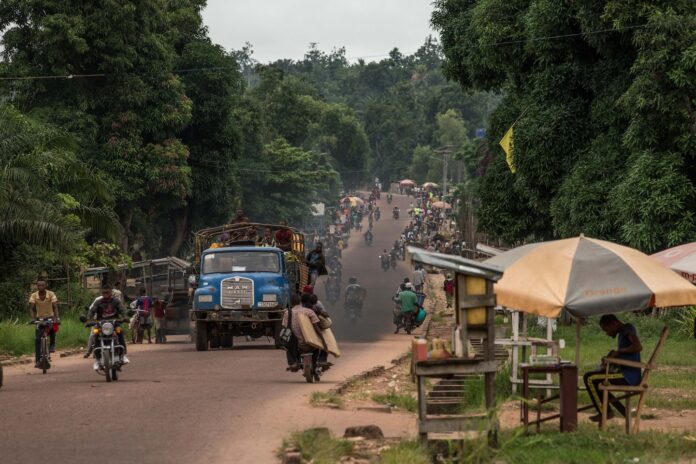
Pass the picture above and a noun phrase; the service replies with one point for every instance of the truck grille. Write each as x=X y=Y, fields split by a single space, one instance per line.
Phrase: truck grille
x=237 y=293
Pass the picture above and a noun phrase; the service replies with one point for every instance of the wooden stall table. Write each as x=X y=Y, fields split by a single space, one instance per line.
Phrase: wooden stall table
x=567 y=393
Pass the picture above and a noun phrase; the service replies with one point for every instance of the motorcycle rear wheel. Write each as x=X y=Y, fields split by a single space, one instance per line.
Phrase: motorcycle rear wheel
x=308 y=374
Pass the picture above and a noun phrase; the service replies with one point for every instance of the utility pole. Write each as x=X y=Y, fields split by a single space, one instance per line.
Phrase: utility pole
x=445 y=151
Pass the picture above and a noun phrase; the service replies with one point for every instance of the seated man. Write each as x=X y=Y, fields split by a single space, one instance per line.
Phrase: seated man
x=629 y=348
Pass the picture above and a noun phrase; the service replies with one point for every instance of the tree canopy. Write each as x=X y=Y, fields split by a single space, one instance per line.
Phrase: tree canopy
x=602 y=98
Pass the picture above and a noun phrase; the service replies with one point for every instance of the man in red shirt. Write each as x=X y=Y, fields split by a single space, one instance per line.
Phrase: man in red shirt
x=283 y=238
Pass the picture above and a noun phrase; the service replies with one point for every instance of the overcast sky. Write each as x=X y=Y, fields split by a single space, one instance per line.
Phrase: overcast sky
x=285 y=28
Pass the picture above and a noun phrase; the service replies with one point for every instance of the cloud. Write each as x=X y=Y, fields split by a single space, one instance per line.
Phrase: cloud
x=285 y=28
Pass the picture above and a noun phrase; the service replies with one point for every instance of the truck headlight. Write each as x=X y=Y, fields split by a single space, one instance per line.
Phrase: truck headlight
x=205 y=298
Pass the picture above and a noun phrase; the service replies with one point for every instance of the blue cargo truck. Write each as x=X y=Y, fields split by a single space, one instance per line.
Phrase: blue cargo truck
x=243 y=282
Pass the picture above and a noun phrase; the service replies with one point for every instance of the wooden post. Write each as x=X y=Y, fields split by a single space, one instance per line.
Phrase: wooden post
x=578 y=323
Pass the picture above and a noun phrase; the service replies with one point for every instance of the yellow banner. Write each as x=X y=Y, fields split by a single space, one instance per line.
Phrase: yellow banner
x=506 y=143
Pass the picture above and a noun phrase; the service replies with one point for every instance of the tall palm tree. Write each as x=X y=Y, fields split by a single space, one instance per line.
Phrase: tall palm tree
x=48 y=198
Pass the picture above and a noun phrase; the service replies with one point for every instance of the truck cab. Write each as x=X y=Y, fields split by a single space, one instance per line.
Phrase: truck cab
x=242 y=290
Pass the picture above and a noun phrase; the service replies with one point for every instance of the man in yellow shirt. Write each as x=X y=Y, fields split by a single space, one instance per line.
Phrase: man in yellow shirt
x=43 y=304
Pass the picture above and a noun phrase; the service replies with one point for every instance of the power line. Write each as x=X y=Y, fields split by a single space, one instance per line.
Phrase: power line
x=219 y=68
x=563 y=36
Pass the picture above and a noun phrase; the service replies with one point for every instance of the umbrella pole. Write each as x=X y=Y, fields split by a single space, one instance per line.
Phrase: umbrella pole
x=578 y=323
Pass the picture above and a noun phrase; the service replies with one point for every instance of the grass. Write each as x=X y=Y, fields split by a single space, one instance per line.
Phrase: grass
x=585 y=445
x=324 y=398
x=402 y=401
x=319 y=446
x=410 y=452
x=17 y=337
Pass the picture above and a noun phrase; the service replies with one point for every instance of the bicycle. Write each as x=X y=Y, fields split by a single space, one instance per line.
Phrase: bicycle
x=45 y=325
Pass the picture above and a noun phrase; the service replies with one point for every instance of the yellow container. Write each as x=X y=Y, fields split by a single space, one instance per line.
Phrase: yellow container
x=474 y=286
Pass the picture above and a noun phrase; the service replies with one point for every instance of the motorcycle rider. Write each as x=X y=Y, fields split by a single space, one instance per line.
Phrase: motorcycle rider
x=368 y=236
x=409 y=306
x=385 y=260
x=395 y=212
x=107 y=307
x=43 y=304
x=301 y=305
x=389 y=198
x=354 y=297
x=393 y=256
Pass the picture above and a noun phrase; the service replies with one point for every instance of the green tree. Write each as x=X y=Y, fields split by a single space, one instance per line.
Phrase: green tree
x=596 y=91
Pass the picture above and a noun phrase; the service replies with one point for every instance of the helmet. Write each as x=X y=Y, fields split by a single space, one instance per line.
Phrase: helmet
x=353 y=280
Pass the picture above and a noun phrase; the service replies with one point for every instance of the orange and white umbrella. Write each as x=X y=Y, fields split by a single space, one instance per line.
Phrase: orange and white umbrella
x=681 y=259
x=407 y=182
x=441 y=205
x=354 y=201
x=429 y=185
x=586 y=277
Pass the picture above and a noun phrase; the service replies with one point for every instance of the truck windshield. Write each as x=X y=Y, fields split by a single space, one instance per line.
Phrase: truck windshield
x=241 y=261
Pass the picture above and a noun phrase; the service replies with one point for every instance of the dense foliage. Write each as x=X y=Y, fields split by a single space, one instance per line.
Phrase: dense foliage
x=603 y=99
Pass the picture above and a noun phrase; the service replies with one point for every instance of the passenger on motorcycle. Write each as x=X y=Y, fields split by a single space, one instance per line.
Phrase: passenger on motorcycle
x=354 y=298
x=409 y=307
x=301 y=306
x=43 y=304
x=103 y=308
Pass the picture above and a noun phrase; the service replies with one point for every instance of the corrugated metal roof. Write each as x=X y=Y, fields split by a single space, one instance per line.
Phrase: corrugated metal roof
x=455 y=263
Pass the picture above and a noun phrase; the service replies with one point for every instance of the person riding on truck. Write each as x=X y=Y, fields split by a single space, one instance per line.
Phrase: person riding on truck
x=283 y=237
x=239 y=217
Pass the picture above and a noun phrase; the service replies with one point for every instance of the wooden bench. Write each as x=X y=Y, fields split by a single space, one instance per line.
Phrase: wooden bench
x=629 y=391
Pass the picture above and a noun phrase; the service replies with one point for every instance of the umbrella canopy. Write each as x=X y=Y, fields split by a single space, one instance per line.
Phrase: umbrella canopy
x=587 y=277
x=354 y=201
x=442 y=204
x=428 y=185
x=406 y=182
x=681 y=259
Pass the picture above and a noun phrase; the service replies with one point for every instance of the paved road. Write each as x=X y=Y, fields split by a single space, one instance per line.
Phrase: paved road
x=176 y=405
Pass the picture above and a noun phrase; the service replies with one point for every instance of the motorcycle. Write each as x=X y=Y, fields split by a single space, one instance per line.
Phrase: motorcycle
x=312 y=370
x=377 y=215
x=389 y=199
x=396 y=215
x=44 y=325
x=405 y=321
x=392 y=260
x=368 y=240
x=385 y=262
x=107 y=352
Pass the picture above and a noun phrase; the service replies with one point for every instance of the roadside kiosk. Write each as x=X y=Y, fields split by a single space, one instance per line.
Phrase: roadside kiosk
x=475 y=322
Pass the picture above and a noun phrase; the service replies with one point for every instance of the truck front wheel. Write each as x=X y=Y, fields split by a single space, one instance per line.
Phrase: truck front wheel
x=201 y=336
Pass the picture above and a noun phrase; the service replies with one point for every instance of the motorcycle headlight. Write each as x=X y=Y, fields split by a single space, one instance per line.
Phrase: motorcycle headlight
x=107 y=328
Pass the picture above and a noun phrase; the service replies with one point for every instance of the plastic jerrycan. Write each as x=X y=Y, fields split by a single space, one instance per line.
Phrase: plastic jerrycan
x=419 y=348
